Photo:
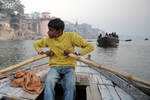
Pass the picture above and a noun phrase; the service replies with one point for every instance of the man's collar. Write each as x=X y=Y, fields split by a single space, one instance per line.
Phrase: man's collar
x=60 y=37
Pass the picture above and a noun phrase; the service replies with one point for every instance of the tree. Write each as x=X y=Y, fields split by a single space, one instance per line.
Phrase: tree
x=12 y=7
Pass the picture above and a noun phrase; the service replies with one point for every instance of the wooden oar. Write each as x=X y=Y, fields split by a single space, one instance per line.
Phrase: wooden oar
x=92 y=63
x=22 y=63
x=6 y=75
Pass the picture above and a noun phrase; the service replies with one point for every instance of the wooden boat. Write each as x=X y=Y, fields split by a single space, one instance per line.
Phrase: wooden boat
x=92 y=84
x=108 y=41
x=128 y=40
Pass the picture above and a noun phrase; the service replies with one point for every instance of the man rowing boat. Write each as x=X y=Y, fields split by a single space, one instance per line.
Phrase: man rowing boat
x=62 y=67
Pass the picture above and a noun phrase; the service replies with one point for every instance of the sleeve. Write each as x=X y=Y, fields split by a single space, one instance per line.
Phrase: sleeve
x=82 y=43
x=38 y=45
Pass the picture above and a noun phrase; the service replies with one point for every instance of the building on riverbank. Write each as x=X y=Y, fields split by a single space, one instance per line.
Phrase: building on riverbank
x=27 y=27
x=5 y=29
x=44 y=22
x=35 y=26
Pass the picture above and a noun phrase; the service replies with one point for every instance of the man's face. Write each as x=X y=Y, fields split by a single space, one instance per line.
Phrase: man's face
x=53 y=33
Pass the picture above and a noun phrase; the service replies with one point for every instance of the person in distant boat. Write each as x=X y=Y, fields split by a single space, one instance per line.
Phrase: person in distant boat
x=100 y=35
x=106 y=34
x=62 y=67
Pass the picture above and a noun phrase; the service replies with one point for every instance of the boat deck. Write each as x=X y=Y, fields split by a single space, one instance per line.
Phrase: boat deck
x=96 y=85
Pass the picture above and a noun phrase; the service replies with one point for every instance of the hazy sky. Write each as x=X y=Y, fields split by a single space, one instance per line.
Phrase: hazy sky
x=121 y=16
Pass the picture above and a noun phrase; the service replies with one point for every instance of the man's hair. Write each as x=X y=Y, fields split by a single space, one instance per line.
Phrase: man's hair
x=57 y=24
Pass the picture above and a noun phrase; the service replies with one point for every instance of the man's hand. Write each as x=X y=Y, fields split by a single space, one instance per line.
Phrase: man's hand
x=67 y=52
x=41 y=52
x=77 y=53
x=48 y=53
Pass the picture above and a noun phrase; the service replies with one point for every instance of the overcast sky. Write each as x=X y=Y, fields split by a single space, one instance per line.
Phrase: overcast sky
x=121 y=16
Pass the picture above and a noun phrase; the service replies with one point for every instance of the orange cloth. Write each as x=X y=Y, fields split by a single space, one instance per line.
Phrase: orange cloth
x=28 y=81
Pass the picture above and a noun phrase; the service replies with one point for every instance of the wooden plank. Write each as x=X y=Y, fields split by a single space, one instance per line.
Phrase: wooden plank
x=131 y=90
x=113 y=93
x=123 y=95
x=105 y=93
x=93 y=79
x=93 y=89
x=85 y=70
x=25 y=95
x=95 y=93
x=88 y=93
x=12 y=92
x=106 y=88
x=5 y=81
x=12 y=98
x=110 y=93
x=104 y=81
x=82 y=79
x=7 y=90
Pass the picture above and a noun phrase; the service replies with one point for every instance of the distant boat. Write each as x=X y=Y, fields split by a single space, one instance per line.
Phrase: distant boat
x=128 y=40
x=108 y=40
x=146 y=39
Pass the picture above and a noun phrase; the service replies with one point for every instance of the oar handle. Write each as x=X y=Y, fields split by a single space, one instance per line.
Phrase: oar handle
x=22 y=63
x=115 y=71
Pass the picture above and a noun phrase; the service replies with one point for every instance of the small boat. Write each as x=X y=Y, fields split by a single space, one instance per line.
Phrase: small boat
x=91 y=84
x=128 y=40
x=146 y=39
x=108 y=41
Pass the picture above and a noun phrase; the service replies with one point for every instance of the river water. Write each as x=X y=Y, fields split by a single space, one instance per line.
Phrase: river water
x=132 y=57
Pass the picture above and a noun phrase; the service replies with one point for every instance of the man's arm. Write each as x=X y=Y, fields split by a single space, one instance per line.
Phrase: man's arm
x=38 y=45
x=41 y=44
x=84 y=44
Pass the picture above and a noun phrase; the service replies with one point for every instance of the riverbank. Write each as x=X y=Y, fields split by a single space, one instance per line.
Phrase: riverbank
x=10 y=34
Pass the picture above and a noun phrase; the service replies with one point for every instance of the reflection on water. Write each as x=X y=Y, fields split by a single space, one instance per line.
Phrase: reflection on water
x=131 y=57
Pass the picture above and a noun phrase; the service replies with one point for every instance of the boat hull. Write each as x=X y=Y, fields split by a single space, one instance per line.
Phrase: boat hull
x=107 y=41
x=96 y=83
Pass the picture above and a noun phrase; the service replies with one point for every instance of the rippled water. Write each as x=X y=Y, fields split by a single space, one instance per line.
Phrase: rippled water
x=14 y=52
x=132 y=57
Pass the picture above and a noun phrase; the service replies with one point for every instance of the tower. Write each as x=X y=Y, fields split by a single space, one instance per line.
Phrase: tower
x=44 y=23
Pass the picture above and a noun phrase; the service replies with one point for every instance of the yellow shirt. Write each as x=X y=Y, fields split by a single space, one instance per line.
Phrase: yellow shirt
x=68 y=40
